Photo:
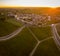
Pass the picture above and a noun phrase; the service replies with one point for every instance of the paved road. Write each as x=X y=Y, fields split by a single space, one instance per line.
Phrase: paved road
x=12 y=34
x=56 y=35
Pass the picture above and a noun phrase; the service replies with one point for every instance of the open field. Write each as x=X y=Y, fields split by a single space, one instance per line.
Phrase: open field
x=9 y=26
x=42 y=32
x=47 y=48
x=14 y=22
x=24 y=43
x=21 y=45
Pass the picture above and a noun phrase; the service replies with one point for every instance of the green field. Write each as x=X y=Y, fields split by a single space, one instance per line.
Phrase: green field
x=21 y=45
x=42 y=32
x=47 y=48
x=9 y=26
x=24 y=43
x=14 y=21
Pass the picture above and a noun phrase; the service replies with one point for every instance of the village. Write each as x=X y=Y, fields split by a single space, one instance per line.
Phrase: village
x=35 y=19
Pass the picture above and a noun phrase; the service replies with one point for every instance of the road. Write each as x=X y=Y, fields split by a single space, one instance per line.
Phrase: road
x=12 y=34
x=56 y=35
x=33 y=34
x=39 y=42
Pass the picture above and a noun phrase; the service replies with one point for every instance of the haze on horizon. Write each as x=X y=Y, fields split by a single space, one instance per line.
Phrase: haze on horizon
x=33 y=3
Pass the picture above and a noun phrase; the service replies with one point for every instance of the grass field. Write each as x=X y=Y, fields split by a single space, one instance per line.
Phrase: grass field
x=41 y=32
x=47 y=48
x=14 y=21
x=21 y=45
x=9 y=26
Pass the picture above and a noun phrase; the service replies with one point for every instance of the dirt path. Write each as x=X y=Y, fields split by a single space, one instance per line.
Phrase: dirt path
x=33 y=51
x=33 y=34
x=38 y=41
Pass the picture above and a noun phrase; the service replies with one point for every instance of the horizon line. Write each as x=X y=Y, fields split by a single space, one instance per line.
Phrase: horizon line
x=27 y=6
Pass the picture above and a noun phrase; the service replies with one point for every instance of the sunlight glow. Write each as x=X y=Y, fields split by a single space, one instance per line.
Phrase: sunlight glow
x=30 y=3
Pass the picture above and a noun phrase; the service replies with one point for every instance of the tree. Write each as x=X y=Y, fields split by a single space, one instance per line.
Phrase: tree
x=2 y=17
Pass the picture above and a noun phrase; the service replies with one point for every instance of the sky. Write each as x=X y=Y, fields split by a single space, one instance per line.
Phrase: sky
x=33 y=3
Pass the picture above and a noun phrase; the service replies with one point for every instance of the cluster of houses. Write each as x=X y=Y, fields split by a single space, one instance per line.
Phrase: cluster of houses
x=33 y=19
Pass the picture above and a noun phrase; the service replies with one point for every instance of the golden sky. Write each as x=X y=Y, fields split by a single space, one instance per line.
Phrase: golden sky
x=33 y=3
